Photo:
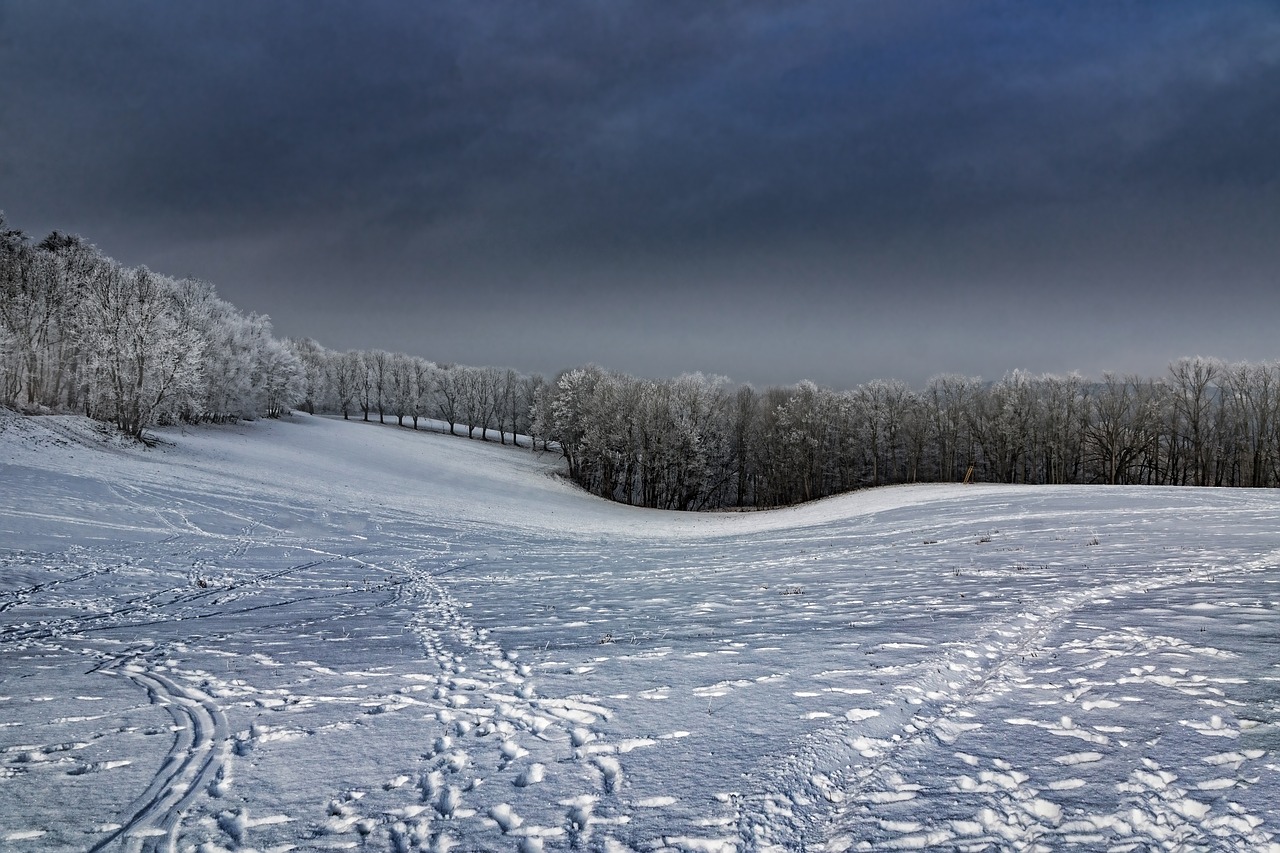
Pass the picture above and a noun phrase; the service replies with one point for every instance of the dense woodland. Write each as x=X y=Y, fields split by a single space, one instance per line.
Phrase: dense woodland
x=699 y=443
x=79 y=332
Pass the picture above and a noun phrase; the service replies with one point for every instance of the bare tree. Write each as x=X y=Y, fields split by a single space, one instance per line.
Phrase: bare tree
x=1195 y=395
x=366 y=393
x=506 y=396
x=423 y=387
x=380 y=373
x=345 y=373
x=402 y=392
x=449 y=392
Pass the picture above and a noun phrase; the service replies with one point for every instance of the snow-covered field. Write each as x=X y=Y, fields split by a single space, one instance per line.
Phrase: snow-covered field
x=323 y=635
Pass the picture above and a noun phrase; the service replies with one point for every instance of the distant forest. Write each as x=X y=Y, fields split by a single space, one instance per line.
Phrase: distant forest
x=79 y=332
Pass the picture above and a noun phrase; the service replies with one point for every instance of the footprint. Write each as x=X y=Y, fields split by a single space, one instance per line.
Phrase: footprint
x=505 y=817
x=531 y=775
x=448 y=801
x=511 y=751
x=579 y=816
x=610 y=770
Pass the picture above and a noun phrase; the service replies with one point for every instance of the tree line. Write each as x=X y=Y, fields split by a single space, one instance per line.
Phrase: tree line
x=698 y=442
x=478 y=402
x=81 y=332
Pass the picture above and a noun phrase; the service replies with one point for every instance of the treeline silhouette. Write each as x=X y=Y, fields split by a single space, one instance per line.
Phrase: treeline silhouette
x=701 y=443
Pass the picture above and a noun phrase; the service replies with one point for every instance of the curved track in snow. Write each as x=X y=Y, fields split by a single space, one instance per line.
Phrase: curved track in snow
x=200 y=749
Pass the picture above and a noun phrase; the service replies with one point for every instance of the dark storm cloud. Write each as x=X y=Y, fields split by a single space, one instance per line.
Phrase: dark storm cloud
x=659 y=174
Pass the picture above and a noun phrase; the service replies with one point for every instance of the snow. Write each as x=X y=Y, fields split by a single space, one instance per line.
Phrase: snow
x=314 y=634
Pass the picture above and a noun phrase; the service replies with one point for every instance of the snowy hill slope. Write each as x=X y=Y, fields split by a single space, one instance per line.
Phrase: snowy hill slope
x=315 y=634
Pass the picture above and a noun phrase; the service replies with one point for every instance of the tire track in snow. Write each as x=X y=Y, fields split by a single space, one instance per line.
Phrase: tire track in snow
x=201 y=748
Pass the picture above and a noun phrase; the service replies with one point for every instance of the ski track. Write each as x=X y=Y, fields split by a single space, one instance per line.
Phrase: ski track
x=201 y=746
x=998 y=673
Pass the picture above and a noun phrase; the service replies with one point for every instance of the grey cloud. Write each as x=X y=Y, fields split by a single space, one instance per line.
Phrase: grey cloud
x=873 y=156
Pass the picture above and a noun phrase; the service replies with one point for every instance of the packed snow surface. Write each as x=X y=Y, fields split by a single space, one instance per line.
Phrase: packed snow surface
x=313 y=634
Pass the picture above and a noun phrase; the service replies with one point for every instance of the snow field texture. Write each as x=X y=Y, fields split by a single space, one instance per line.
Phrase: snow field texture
x=317 y=635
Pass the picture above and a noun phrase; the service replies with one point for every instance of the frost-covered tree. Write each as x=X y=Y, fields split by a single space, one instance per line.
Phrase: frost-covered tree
x=1063 y=415
x=232 y=345
x=449 y=391
x=143 y=352
x=1252 y=401
x=313 y=361
x=422 y=388
x=506 y=397
x=278 y=378
x=880 y=409
x=366 y=396
x=379 y=365
x=536 y=394
x=402 y=391
x=570 y=414
x=345 y=373
x=40 y=290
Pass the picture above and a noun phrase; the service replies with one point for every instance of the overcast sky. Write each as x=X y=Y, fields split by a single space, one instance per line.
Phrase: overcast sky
x=841 y=190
